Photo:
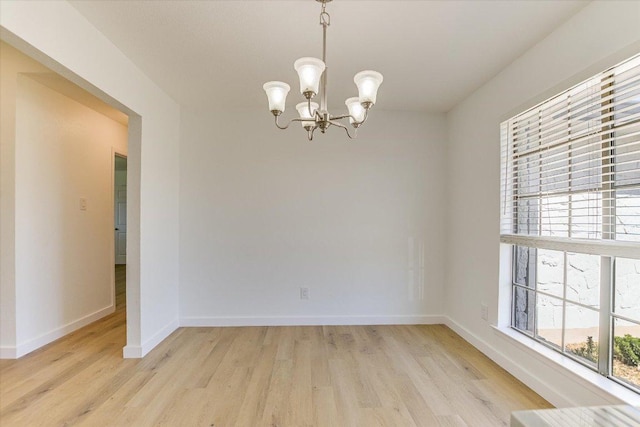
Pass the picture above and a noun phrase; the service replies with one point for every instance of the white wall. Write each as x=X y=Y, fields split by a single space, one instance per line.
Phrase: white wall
x=10 y=65
x=600 y=35
x=64 y=261
x=265 y=212
x=62 y=39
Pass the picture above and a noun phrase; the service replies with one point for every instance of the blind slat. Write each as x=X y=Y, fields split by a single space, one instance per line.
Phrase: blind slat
x=570 y=166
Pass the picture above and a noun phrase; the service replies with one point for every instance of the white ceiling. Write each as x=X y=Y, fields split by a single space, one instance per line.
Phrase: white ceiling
x=217 y=54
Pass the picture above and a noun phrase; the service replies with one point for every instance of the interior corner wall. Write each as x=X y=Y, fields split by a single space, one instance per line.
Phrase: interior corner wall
x=58 y=36
x=265 y=212
x=598 y=36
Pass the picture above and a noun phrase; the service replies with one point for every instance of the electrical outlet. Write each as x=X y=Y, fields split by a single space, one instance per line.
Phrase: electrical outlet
x=304 y=293
x=83 y=204
x=484 y=311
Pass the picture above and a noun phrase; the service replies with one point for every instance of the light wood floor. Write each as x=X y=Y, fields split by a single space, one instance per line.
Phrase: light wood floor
x=261 y=376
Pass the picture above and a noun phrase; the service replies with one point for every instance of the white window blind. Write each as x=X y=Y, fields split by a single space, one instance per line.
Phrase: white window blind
x=571 y=165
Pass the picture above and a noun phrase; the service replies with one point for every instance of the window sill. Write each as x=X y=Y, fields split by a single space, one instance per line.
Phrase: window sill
x=567 y=366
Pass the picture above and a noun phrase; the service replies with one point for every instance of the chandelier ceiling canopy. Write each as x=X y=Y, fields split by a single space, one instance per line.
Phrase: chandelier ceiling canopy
x=312 y=73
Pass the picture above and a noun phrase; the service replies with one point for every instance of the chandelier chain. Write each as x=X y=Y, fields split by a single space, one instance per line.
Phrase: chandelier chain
x=325 y=18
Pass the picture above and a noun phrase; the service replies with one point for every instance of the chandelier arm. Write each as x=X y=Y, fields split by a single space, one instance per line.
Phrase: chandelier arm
x=346 y=129
x=314 y=114
x=288 y=124
x=355 y=121
x=311 y=113
x=344 y=116
x=366 y=115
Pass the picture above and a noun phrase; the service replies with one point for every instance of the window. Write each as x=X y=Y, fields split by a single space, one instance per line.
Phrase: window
x=571 y=210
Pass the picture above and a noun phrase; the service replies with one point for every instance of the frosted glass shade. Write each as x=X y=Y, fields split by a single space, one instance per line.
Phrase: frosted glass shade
x=368 y=83
x=303 y=110
x=356 y=110
x=277 y=94
x=309 y=71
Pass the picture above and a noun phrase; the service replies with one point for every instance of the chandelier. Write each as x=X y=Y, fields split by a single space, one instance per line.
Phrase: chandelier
x=313 y=81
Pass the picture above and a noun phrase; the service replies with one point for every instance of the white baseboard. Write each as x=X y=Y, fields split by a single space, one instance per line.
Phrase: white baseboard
x=552 y=395
x=8 y=353
x=159 y=336
x=606 y=391
x=311 y=320
x=132 y=352
x=137 y=352
x=35 y=343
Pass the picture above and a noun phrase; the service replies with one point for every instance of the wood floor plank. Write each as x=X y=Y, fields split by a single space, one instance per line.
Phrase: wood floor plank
x=299 y=410
x=255 y=398
x=451 y=421
x=320 y=374
x=344 y=393
x=410 y=375
x=325 y=412
x=278 y=394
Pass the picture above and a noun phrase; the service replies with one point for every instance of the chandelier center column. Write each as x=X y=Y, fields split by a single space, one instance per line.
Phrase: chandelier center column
x=325 y=21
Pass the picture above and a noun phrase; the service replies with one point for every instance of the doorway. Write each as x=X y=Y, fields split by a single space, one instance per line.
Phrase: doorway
x=120 y=228
x=11 y=344
x=120 y=209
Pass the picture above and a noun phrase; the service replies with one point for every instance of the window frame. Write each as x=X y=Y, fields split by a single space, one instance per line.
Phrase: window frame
x=604 y=311
x=607 y=247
